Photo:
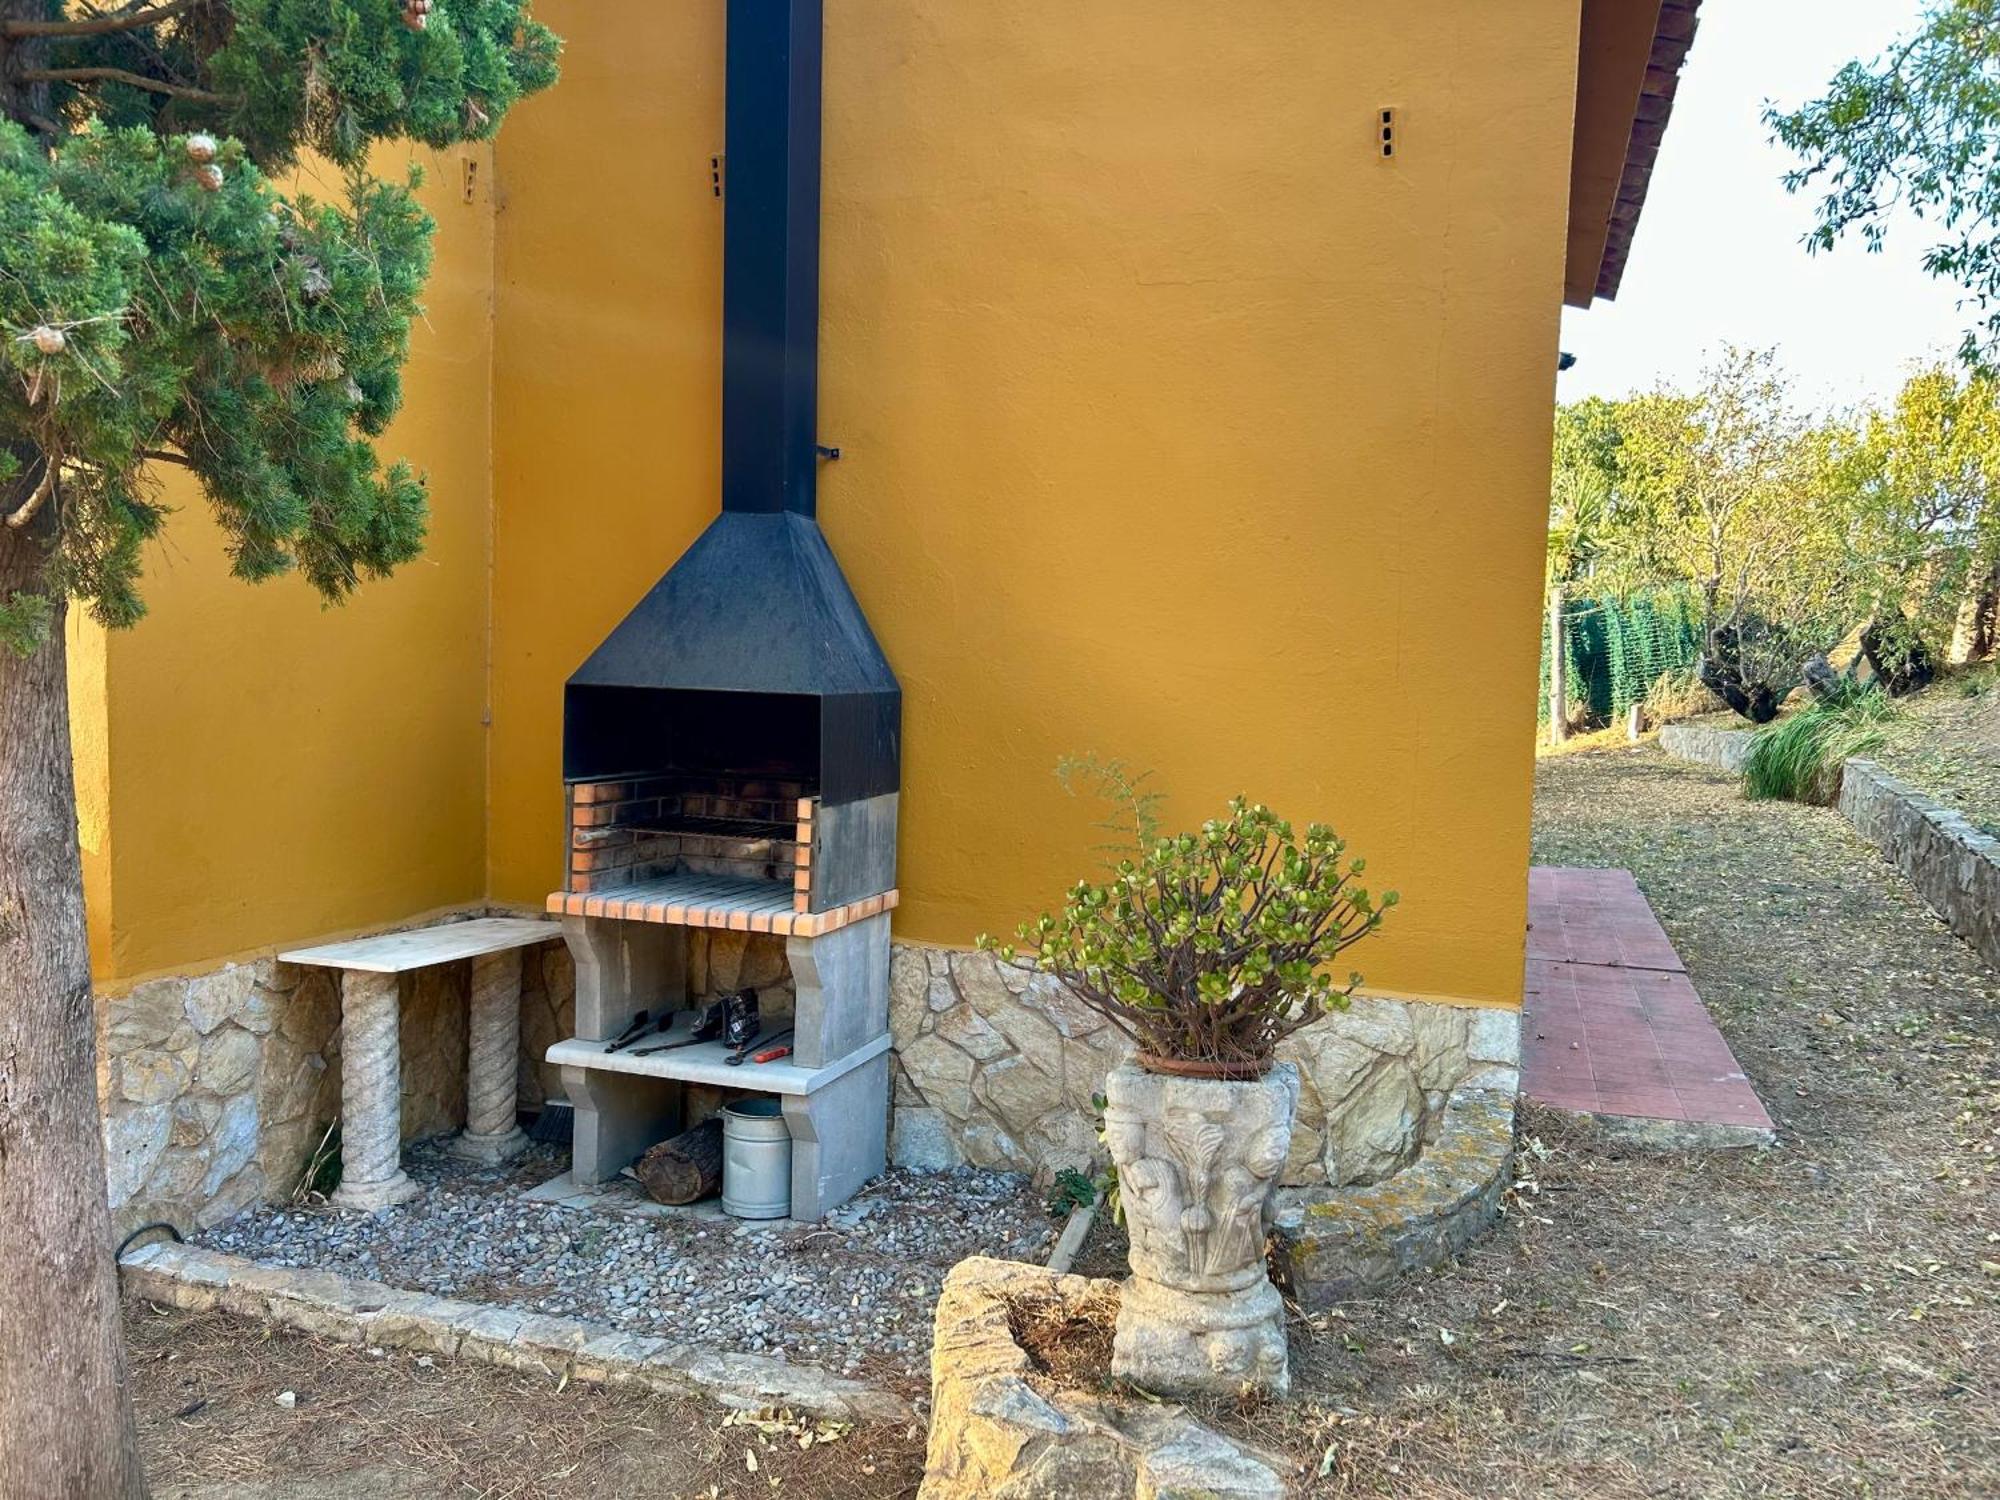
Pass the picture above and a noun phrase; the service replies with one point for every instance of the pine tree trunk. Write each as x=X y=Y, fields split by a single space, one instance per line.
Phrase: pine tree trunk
x=66 y=1424
x=1558 y=668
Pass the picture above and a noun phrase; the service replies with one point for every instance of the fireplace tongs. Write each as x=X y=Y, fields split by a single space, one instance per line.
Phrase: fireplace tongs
x=642 y=1025
x=731 y=1019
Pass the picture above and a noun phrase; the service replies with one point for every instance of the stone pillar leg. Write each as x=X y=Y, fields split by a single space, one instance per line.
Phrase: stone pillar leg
x=493 y=1067
x=618 y=1115
x=371 y=1094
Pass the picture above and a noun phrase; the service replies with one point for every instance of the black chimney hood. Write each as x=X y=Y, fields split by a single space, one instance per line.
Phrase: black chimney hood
x=751 y=656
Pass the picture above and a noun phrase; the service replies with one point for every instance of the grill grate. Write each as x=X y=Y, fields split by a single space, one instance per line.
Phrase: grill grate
x=625 y=829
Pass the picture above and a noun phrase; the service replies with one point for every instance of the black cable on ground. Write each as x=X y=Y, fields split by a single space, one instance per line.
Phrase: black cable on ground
x=126 y=1243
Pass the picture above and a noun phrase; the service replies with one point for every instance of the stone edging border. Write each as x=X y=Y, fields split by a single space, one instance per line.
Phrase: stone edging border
x=1954 y=865
x=1678 y=1135
x=1346 y=1242
x=327 y=1305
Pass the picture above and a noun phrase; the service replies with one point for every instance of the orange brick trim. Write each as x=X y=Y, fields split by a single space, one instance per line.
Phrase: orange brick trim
x=788 y=924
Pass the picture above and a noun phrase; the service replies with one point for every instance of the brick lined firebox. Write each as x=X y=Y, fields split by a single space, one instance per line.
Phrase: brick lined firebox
x=672 y=848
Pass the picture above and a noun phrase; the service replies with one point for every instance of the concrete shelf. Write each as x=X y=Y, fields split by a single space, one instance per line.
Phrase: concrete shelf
x=419 y=948
x=704 y=1062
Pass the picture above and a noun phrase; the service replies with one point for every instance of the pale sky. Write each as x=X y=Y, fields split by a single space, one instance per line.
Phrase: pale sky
x=1718 y=255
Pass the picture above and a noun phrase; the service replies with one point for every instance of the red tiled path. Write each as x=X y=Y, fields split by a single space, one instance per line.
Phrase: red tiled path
x=1610 y=1024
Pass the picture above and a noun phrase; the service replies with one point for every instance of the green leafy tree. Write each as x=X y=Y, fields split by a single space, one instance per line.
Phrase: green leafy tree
x=1727 y=485
x=167 y=298
x=1921 y=486
x=1917 y=128
x=1582 y=527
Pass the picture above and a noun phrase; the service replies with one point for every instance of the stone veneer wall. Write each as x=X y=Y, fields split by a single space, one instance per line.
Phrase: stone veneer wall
x=215 y=1088
x=997 y=1067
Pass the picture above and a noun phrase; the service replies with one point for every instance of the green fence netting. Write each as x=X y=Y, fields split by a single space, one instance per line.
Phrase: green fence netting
x=1617 y=648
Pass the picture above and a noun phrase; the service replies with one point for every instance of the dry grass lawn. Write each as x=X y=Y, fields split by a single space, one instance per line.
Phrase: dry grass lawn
x=1818 y=1320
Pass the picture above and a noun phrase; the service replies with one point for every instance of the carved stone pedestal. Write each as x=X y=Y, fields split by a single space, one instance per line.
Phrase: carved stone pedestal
x=1197 y=1160
x=371 y=1094
x=493 y=1047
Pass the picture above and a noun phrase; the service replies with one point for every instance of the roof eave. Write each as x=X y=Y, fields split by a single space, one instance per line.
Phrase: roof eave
x=1651 y=108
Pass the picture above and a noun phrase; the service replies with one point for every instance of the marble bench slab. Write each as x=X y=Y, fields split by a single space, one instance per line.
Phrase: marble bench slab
x=398 y=952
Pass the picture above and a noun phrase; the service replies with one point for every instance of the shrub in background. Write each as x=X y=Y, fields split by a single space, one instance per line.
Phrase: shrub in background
x=1680 y=694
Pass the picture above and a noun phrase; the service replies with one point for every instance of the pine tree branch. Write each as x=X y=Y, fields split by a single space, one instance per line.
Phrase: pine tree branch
x=166 y=456
x=34 y=501
x=99 y=25
x=120 y=75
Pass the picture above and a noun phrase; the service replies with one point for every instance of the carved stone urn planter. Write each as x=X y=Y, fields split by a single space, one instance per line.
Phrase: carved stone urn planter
x=1197 y=1161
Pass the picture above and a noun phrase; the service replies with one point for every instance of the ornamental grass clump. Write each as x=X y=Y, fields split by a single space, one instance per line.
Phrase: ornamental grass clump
x=1799 y=757
x=1211 y=948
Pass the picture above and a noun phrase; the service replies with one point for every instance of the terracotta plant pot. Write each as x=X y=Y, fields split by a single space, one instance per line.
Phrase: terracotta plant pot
x=1190 y=1067
x=1197 y=1161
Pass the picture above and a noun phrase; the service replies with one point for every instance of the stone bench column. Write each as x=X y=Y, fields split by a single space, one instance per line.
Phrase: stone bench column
x=371 y=1093
x=493 y=1061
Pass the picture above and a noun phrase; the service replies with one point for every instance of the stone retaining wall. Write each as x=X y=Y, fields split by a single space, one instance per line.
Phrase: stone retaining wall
x=1954 y=864
x=1348 y=1241
x=216 y=1087
x=1724 y=749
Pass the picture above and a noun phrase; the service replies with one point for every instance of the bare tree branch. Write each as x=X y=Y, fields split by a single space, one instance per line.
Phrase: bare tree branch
x=120 y=75
x=131 y=20
x=34 y=501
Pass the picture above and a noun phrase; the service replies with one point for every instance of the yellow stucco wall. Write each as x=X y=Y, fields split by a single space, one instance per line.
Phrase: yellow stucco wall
x=276 y=771
x=90 y=751
x=1177 y=425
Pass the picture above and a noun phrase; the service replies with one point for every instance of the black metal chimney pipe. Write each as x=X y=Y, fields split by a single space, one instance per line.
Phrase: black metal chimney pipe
x=770 y=256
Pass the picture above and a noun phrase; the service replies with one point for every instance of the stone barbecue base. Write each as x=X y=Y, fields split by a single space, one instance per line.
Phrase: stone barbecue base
x=994 y=1433
x=1347 y=1242
x=324 y=1305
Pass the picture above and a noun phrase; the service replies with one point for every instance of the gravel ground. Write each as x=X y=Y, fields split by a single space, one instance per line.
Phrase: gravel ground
x=852 y=1295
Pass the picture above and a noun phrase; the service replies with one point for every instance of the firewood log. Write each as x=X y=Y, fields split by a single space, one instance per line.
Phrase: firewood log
x=685 y=1169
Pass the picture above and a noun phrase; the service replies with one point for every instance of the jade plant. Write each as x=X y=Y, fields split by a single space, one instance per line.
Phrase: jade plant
x=1211 y=947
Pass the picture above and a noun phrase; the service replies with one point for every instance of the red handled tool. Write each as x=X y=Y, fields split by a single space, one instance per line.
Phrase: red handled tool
x=736 y=1057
